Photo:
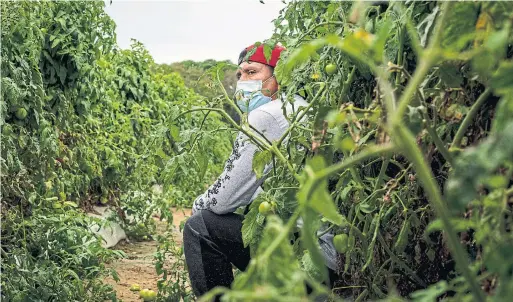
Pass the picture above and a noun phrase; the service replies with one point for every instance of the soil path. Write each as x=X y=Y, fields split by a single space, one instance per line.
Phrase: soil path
x=138 y=267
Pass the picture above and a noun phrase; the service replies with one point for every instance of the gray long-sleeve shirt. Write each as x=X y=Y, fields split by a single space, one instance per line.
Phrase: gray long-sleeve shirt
x=238 y=185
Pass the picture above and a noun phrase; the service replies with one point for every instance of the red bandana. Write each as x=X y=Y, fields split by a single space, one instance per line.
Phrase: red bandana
x=259 y=56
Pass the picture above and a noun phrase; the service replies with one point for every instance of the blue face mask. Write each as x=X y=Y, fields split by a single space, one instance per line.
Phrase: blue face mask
x=249 y=96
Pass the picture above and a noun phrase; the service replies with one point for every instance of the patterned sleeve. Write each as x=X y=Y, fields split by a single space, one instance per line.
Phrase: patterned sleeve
x=237 y=185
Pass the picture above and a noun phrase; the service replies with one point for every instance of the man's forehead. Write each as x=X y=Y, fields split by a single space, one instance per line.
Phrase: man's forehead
x=246 y=64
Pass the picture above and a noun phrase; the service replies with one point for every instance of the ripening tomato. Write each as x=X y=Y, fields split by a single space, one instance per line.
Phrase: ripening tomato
x=264 y=208
x=148 y=294
x=135 y=287
x=330 y=68
x=340 y=243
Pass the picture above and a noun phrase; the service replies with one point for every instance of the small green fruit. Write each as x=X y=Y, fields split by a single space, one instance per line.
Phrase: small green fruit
x=143 y=292
x=21 y=113
x=264 y=208
x=135 y=287
x=340 y=243
x=330 y=68
x=150 y=295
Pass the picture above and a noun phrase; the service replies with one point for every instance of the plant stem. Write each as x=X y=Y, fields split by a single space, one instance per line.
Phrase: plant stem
x=280 y=155
x=400 y=33
x=356 y=177
x=346 y=85
x=229 y=100
x=261 y=142
x=298 y=119
x=509 y=192
x=438 y=143
x=396 y=259
x=426 y=177
x=256 y=139
x=319 y=25
x=412 y=87
x=283 y=235
x=427 y=60
x=470 y=116
x=353 y=160
x=382 y=171
x=440 y=25
x=362 y=295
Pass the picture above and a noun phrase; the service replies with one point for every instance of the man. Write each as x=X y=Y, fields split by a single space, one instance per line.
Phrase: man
x=212 y=235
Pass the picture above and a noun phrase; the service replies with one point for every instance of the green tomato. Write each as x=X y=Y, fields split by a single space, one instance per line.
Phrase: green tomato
x=340 y=243
x=21 y=113
x=264 y=208
x=150 y=295
x=62 y=196
x=135 y=287
x=104 y=200
x=330 y=68
x=143 y=293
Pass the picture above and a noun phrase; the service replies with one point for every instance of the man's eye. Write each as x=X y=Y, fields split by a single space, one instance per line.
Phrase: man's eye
x=251 y=72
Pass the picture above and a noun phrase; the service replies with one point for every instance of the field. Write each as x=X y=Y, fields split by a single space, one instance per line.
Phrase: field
x=405 y=153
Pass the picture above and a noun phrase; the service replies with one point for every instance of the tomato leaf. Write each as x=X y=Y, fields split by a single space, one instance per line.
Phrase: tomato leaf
x=260 y=160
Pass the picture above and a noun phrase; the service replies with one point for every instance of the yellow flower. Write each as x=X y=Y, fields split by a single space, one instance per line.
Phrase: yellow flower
x=483 y=21
x=364 y=36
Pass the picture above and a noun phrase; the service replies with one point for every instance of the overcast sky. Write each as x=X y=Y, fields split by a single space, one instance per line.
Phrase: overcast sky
x=197 y=30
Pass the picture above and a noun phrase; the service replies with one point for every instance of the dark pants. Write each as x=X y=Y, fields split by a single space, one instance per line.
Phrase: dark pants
x=212 y=243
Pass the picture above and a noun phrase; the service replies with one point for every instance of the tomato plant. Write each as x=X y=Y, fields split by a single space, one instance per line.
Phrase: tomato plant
x=85 y=123
x=400 y=157
x=404 y=153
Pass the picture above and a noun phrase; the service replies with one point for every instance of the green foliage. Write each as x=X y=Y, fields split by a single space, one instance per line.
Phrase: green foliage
x=253 y=225
x=53 y=257
x=195 y=76
x=426 y=216
x=85 y=123
x=173 y=281
x=476 y=168
x=412 y=157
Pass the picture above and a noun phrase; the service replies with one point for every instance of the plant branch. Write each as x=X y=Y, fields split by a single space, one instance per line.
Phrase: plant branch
x=229 y=100
x=468 y=119
x=298 y=119
x=382 y=172
x=438 y=143
x=319 y=25
x=412 y=151
x=353 y=160
x=256 y=139
x=427 y=60
x=396 y=259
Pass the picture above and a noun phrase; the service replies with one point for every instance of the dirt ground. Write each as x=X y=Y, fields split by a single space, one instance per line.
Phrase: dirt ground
x=138 y=267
